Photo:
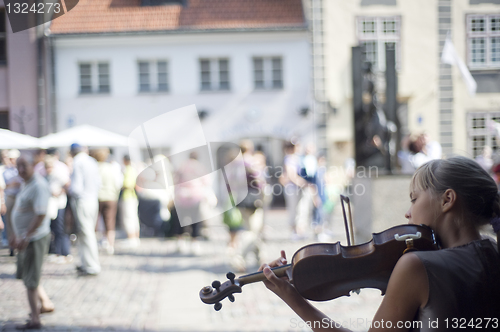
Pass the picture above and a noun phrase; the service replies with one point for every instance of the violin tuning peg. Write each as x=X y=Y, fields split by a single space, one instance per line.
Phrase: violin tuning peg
x=218 y=306
x=231 y=276
x=216 y=285
x=231 y=297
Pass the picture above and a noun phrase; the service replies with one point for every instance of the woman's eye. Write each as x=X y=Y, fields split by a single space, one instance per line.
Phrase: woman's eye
x=413 y=200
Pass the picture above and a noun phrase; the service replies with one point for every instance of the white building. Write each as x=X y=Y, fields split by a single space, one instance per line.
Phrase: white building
x=244 y=64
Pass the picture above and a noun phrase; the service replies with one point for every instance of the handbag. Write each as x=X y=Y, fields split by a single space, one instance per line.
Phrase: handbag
x=233 y=219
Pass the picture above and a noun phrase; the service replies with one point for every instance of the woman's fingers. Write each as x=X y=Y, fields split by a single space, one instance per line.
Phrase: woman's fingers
x=277 y=262
x=270 y=275
x=283 y=256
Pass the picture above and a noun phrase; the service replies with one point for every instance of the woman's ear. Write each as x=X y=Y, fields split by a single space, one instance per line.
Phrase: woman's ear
x=448 y=200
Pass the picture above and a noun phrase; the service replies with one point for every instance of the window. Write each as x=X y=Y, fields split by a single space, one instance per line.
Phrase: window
x=483 y=41
x=268 y=73
x=85 y=78
x=4 y=119
x=103 y=72
x=94 y=77
x=482 y=131
x=153 y=76
x=214 y=74
x=3 y=38
x=374 y=33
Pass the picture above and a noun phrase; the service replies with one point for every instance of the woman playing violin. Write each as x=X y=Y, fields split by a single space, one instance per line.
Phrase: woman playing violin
x=458 y=286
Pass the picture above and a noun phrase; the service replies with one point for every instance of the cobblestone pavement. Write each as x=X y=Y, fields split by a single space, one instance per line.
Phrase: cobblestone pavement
x=155 y=288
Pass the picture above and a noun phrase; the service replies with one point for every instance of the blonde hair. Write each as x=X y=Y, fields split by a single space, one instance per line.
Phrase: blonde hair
x=475 y=188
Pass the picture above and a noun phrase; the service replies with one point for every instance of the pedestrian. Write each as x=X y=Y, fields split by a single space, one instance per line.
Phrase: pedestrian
x=251 y=206
x=84 y=190
x=232 y=218
x=260 y=165
x=155 y=195
x=111 y=183
x=129 y=204
x=31 y=236
x=57 y=175
x=456 y=284
x=320 y=197
x=12 y=185
x=247 y=239
x=191 y=190
x=485 y=159
x=58 y=166
x=496 y=175
x=3 y=207
x=310 y=202
x=293 y=184
x=424 y=149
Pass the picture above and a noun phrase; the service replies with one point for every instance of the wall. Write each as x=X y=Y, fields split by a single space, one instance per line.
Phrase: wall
x=463 y=102
x=183 y=52
x=417 y=75
x=18 y=81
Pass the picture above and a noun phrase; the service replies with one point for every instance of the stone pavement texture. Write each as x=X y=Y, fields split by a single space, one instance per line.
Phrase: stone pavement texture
x=155 y=288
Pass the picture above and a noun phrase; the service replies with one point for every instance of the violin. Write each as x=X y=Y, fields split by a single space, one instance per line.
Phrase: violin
x=325 y=271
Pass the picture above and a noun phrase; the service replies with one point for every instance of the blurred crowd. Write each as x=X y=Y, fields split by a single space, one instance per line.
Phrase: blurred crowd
x=309 y=190
x=82 y=188
x=92 y=194
x=416 y=150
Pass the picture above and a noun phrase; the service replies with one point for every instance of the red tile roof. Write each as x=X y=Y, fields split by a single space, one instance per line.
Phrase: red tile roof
x=105 y=16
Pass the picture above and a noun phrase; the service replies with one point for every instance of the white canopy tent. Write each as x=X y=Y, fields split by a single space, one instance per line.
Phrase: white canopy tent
x=12 y=140
x=260 y=114
x=84 y=135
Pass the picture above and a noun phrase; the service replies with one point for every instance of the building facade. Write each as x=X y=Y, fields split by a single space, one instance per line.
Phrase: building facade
x=19 y=103
x=432 y=96
x=245 y=65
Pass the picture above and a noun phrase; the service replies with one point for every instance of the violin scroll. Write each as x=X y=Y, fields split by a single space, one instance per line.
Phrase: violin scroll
x=218 y=292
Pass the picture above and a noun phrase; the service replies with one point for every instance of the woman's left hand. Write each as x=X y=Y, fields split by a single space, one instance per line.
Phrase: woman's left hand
x=280 y=286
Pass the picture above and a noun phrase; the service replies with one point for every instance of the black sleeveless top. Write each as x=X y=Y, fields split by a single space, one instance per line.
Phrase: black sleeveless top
x=464 y=288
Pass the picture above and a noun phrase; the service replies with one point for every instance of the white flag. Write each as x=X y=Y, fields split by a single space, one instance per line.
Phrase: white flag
x=450 y=56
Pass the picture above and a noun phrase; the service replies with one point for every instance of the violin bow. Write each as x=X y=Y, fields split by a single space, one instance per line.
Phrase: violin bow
x=348 y=226
x=348 y=229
